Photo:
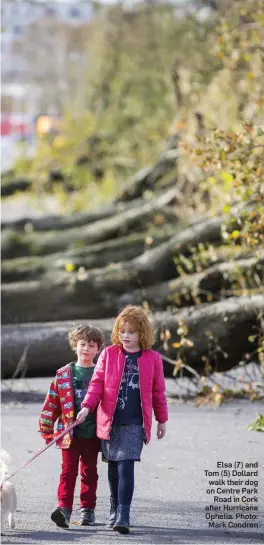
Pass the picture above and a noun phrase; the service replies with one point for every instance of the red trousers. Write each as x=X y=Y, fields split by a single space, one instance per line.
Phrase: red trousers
x=84 y=451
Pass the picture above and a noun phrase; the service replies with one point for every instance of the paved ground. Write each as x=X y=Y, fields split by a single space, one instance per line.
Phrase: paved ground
x=170 y=496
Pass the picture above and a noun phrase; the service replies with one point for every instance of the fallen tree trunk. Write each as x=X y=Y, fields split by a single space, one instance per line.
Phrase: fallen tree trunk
x=144 y=179
x=159 y=263
x=147 y=178
x=98 y=290
x=101 y=293
x=90 y=257
x=15 y=245
x=66 y=295
x=14 y=185
x=218 y=334
x=8 y=188
x=113 y=251
x=60 y=222
x=50 y=223
x=219 y=281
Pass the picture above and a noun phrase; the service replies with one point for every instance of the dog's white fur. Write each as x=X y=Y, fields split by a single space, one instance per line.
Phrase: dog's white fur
x=8 y=493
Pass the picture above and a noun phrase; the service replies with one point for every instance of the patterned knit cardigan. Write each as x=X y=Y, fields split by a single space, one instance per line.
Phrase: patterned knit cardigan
x=59 y=405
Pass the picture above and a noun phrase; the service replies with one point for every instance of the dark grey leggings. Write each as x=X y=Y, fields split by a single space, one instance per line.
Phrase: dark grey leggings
x=121 y=481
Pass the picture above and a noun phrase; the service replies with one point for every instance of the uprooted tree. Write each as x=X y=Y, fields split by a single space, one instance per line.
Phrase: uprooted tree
x=183 y=236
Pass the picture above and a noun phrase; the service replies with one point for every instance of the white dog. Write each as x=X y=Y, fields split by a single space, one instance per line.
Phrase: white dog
x=8 y=493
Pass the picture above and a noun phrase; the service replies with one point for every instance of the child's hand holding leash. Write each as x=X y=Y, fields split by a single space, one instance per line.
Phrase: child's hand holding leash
x=82 y=415
x=48 y=440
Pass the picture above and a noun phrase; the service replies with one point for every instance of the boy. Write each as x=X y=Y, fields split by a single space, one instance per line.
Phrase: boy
x=63 y=402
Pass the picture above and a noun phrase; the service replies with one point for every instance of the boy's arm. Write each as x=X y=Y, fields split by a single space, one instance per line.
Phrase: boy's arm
x=158 y=392
x=50 y=411
x=95 y=389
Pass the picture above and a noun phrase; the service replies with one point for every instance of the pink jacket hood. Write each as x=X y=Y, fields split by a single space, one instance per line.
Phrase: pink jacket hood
x=104 y=386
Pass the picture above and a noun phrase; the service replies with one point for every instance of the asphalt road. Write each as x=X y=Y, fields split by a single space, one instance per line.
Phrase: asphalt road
x=170 y=494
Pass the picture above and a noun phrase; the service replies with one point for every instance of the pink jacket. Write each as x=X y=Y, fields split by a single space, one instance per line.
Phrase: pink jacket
x=105 y=383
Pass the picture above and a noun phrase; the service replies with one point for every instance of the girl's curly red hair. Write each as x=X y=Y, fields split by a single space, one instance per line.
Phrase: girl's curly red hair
x=139 y=321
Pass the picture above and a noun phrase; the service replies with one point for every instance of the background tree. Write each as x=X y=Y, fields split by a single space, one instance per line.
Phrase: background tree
x=178 y=111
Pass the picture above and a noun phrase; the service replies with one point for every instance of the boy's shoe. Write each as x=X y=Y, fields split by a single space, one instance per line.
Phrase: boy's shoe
x=61 y=516
x=87 y=517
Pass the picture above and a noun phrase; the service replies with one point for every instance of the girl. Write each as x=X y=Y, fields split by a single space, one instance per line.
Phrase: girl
x=128 y=383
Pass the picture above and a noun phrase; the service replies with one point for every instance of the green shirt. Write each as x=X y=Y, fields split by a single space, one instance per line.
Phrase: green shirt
x=81 y=377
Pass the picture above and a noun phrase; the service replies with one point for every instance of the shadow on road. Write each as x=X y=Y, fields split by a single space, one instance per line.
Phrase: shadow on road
x=180 y=535
x=45 y=536
x=147 y=534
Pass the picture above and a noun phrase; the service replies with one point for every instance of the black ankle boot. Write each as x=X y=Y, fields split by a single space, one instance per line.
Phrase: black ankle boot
x=122 y=520
x=113 y=512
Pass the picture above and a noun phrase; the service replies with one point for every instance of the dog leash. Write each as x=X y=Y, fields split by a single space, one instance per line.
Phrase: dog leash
x=41 y=451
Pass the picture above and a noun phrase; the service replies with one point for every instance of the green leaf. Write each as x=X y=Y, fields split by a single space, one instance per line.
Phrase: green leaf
x=227 y=178
x=247 y=57
x=69 y=267
x=222 y=155
x=211 y=180
x=258 y=425
x=235 y=234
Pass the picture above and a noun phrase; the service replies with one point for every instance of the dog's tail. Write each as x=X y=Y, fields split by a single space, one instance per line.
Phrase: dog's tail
x=11 y=520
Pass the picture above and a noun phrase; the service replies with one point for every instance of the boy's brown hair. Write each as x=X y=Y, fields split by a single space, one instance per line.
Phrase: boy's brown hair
x=88 y=333
x=139 y=321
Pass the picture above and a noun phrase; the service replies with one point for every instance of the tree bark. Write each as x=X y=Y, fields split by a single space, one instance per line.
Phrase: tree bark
x=91 y=257
x=158 y=264
x=60 y=222
x=50 y=223
x=103 y=292
x=219 y=333
x=98 y=290
x=14 y=245
x=130 y=192
x=212 y=284
x=65 y=296
x=148 y=177
x=8 y=188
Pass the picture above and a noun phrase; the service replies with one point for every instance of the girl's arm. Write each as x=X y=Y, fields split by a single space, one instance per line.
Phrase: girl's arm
x=95 y=389
x=158 y=392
